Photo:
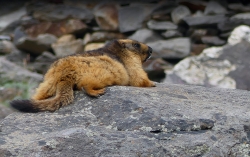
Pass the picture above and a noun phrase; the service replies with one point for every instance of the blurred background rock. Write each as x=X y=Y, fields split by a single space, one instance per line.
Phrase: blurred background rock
x=201 y=42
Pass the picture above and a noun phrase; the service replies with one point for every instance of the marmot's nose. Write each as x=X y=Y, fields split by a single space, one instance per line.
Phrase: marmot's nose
x=150 y=50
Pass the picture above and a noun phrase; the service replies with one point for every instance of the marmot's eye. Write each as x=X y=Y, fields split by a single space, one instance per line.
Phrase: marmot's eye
x=136 y=45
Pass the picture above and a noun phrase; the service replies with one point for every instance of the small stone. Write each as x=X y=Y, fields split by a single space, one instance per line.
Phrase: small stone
x=6 y=47
x=171 y=34
x=230 y=24
x=214 y=7
x=46 y=39
x=239 y=33
x=93 y=46
x=145 y=35
x=225 y=35
x=179 y=13
x=197 y=34
x=241 y=16
x=155 y=68
x=161 y=25
x=53 y=12
x=87 y=38
x=67 y=45
x=104 y=36
x=31 y=46
x=194 y=5
x=131 y=17
x=161 y=17
x=172 y=48
x=196 y=49
x=157 y=64
x=43 y=62
x=106 y=16
x=36 y=46
x=162 y=11
x=66 y=38
x=198 y=14
x=5 y=37
x=239 y=7
x=213 y=40
x=204 y=20
x=56 y=28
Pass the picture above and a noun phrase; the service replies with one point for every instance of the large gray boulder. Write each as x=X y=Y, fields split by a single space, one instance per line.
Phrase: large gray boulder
x=167 y=120
x=226 y=67
x=11 y=12
x=13 y=73
x=15 y=82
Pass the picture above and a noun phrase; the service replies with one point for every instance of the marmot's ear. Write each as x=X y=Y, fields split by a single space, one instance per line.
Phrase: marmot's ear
x=118 y=43
x=123 y=44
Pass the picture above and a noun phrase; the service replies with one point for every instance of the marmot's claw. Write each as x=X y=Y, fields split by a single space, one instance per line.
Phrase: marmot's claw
x=83 y=90
x=153 y=84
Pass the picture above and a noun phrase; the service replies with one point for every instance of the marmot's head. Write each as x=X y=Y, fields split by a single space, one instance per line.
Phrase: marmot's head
x=127 y=48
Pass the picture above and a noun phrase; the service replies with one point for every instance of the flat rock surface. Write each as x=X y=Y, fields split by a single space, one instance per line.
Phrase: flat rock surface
x=167 y=120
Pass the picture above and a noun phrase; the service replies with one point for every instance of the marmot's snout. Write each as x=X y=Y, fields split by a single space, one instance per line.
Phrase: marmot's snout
x=150 y=50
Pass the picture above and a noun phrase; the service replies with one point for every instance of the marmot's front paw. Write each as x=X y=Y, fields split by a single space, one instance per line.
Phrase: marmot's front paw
x=152 y=84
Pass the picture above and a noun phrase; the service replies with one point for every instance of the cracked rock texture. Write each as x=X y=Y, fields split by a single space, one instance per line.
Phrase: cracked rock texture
x=167 y=120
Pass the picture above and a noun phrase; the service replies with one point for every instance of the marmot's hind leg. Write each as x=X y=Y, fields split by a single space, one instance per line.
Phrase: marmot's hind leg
x=65 y=92
x=64 y=96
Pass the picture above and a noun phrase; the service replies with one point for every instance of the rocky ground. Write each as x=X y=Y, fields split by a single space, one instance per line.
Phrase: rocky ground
x=167 y=120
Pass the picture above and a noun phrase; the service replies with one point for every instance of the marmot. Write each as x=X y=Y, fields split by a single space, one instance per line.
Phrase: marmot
x=118 y=63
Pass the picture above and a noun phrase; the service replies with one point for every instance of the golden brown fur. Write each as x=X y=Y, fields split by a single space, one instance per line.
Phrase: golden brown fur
x=118 y=63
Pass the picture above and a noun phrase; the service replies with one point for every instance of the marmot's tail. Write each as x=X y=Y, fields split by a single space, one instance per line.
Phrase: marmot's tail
x=24 y=106
x=33 y=106
x=64 y=96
